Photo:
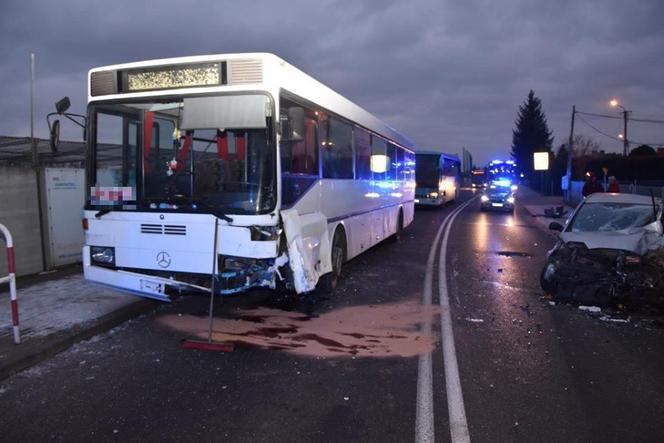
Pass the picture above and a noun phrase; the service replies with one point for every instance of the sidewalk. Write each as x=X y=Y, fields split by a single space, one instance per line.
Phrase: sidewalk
x=536 y=205
x=57 y=310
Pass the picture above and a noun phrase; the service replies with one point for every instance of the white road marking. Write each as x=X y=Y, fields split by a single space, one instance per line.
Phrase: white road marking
x=424 y=417
x=455 y=407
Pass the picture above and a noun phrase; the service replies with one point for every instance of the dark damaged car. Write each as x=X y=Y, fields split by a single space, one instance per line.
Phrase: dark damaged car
x=610 y=251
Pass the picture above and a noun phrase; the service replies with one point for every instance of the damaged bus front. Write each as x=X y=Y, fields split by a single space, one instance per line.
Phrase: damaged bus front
x=199 y=168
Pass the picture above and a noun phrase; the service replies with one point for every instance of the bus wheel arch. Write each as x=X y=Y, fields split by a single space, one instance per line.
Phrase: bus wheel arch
x=338 y=253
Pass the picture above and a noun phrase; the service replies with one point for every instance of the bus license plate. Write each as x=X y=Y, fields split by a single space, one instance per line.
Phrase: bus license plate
x=497 y=205
x=151 y=286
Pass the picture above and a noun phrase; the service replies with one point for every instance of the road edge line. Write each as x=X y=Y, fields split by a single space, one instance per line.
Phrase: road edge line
x=424 y=416
x=455 y=405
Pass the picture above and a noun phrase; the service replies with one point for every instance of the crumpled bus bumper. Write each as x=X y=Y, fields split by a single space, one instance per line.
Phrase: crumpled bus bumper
x=149 y=286
x=260 y=274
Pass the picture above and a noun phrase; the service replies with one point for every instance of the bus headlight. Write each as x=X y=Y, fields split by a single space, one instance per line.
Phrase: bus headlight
x=484 y=198
x=102 y=255
x=433 y=194
x=264 y=233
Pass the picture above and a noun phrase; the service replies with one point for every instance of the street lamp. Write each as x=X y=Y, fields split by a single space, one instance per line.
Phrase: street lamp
x=616 y=104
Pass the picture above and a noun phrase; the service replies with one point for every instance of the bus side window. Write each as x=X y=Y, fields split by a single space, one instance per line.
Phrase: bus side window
x=400 y=164
x=392 y=160
x=362 y=140
x=298 y=156
x=338 y=150
x=379 y=147
x=304 y=151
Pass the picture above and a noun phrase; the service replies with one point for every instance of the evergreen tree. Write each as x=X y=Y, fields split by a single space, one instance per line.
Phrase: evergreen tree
x=531 y=134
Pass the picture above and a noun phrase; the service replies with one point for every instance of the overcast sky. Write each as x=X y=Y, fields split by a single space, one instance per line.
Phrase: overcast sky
x=446 y=73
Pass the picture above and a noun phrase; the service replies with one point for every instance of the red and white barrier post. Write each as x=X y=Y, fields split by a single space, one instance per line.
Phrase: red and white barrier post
x=11 y=278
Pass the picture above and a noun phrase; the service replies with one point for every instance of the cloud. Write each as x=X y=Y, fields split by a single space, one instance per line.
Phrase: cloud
x=447 y=74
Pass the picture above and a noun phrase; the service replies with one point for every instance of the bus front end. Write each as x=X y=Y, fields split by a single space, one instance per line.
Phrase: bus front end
x=182 y=182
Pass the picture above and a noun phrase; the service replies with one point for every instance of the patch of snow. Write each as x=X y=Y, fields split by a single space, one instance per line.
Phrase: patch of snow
x=614 y=320
x=596 y=309
x=475 y=320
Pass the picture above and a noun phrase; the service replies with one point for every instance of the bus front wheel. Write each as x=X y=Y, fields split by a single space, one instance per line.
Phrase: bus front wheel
x=328 y=282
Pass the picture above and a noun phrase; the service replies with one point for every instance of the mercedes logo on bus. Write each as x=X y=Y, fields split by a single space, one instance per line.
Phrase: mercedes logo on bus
x=164 y=259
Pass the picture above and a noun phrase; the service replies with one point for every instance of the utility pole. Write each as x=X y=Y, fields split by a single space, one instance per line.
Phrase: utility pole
x=625 y=142
x=35 y=156
x=615 y=103
x=570 y=151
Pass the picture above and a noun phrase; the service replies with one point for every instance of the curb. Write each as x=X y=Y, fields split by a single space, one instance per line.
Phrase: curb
x=32 y=353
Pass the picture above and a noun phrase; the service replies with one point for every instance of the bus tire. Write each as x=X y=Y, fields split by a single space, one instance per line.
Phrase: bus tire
x=396 y=237
x=328 y=282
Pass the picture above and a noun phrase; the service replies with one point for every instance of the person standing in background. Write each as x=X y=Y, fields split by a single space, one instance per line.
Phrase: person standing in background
x=613 y=185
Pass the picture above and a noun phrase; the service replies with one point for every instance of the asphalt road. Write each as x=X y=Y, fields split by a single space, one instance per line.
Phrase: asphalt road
x=528 y=370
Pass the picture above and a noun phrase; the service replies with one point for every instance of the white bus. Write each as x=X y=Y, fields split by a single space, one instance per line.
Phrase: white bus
x=437 y=176
x=249 y=170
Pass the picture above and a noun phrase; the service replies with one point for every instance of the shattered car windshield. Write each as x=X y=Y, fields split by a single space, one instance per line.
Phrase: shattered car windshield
x=607 y=217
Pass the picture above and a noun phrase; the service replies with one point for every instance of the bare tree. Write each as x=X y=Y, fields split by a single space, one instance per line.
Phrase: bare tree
x=584 y=145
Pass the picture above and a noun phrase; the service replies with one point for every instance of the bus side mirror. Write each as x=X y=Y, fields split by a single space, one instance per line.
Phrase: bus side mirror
x=295 y=123
x=54 y=139
x=62 y=105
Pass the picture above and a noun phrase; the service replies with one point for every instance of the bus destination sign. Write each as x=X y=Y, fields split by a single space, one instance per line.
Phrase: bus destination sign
x=208 y=74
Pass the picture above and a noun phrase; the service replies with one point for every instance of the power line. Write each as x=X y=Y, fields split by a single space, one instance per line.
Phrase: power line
x=598 y=130
x=599 y=115
x=630 y=142
x=615 y=117
x=646 y=120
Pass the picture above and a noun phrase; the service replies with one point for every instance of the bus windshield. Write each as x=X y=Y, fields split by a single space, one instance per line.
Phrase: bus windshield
x=427 y=170
x=204 y=169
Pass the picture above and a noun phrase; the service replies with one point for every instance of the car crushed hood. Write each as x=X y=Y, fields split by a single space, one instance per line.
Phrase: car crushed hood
x=638 y=242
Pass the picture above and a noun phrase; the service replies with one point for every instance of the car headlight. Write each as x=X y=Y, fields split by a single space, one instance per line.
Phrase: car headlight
x=102 y=255
x=484 y=198
x=514 y=187
x=510 y=200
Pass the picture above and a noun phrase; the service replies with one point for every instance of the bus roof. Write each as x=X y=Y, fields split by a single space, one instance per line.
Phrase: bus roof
x=242 y=72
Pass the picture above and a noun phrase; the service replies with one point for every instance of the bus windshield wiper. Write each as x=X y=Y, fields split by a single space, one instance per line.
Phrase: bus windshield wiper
x=102 y=213
x=210 y=209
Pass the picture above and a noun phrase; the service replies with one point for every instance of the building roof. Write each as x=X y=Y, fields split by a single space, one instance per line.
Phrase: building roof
x=18 y=151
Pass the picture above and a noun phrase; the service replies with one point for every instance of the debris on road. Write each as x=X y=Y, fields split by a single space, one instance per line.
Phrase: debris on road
x=475 y=320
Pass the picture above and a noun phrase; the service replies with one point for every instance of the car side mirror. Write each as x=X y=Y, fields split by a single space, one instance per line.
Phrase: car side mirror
x=555 y=226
